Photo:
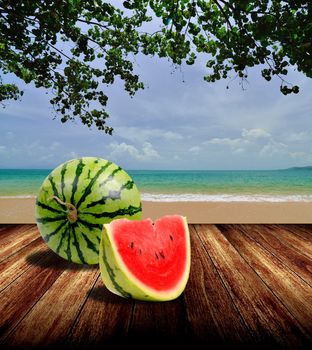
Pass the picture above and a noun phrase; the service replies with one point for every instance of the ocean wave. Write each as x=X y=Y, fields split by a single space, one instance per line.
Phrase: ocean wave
x=191 y=197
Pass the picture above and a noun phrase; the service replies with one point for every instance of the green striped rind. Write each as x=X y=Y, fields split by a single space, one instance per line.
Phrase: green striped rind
x=101 y=192
x=119 y=280
x=113 y=277
x=109 y=270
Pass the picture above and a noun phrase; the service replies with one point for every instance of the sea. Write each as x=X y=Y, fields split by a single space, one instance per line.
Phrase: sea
x=293 y=184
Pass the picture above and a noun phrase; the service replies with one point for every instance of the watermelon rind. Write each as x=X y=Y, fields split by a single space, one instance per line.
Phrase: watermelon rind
x=100 y=190
x=119 y=280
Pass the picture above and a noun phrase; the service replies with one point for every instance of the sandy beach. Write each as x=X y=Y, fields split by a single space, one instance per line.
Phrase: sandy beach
x=21 y=210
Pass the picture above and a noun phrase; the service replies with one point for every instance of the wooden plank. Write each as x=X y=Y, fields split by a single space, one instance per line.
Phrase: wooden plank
x=18 y=239
x=271 y=238
x=298 y=236
x=21 y=295
x=304 y=231
x=243 y=289
x=49 y=321
x=10 y=232
x=213 y=317
x=291 y=290
x=4 y=227
x=104 y=319
x=16 y=264
x=265 y=316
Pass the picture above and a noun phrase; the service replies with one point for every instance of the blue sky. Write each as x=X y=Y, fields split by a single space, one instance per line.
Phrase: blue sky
x=170 y=125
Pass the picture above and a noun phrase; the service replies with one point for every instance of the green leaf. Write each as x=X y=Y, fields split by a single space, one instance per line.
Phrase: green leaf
x=76 y=48
x=295 y=89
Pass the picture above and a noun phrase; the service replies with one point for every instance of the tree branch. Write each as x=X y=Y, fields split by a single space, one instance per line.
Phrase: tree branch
x=59 y=51
x=224 y=14
x=91 y=22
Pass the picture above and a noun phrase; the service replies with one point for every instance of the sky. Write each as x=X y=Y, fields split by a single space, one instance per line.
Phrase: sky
x=178 y=121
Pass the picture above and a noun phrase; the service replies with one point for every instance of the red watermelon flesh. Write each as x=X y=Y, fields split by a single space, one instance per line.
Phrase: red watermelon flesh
x=151 y=257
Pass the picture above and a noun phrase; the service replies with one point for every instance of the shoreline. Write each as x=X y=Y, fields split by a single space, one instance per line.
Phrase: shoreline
x=202 y=197
x=21 y=210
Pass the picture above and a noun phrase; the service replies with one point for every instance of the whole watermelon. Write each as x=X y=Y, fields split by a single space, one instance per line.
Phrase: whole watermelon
x=76 y=199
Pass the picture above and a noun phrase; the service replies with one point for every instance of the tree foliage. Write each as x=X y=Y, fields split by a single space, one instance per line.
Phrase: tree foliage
x=78 y=47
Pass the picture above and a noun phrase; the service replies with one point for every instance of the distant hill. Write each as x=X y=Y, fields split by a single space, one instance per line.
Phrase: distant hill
x=309 y=167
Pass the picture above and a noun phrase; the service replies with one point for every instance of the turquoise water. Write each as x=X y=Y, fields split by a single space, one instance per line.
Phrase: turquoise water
x=278 y=185
x=21 y=182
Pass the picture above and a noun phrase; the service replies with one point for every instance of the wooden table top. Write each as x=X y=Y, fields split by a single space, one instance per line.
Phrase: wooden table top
x=250 y=285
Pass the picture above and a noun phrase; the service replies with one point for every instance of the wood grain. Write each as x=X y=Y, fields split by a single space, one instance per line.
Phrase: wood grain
x=107 y=316
x=17 y=238
x=4 y=227
x=10 y=232
x=293 y=292
x=300 y=237
x=24 y=293
x=249 y=286
x=273 y=240
x=48 y=321
x=273 y=324
x=12 y=267
x=213 y=317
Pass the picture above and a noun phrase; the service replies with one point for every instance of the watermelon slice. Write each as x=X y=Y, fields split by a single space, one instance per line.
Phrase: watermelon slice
x=146 y=261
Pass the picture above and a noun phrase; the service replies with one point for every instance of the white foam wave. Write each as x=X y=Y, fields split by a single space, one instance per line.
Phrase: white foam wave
x=191 y=197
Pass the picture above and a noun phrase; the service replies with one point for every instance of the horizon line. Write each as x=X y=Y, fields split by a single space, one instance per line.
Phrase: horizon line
x=258 y=169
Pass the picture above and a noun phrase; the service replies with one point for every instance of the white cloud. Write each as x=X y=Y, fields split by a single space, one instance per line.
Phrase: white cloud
x=299 y=136
x=273 y=148
x=254 y=142
x=206 y=125
x=149 y=151
x=169 y=135
x=36 y=152
x=297 y=154
x=224 y=141
x=122 y=150
x=249 y=138
x=195 y=149
x=146 y=134
x=255 y=133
